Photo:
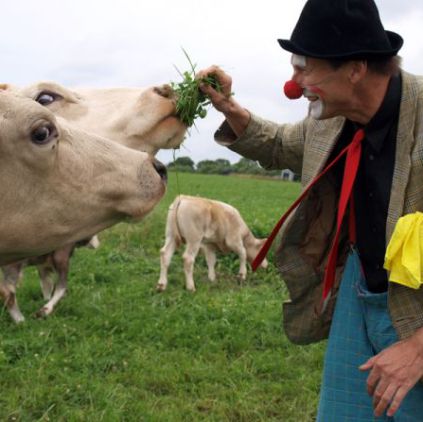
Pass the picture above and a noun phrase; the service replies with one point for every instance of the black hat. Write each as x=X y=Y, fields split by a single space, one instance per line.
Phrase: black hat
x=338 y=29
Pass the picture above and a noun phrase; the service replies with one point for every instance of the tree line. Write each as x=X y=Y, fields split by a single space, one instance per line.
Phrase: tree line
x=221 y=166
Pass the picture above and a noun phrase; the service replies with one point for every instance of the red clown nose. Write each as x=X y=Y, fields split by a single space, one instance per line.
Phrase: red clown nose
x=292 y=90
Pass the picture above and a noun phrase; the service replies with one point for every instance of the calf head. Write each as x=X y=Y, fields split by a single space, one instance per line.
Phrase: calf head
x=253 y=246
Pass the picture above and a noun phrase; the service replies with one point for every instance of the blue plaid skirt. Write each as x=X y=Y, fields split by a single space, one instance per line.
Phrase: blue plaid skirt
x=361 y=328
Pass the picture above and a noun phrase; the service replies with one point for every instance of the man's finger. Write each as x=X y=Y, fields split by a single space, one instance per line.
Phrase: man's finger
x=382 y=400
x=372 y=381
x=397 y=400
x=366 y=365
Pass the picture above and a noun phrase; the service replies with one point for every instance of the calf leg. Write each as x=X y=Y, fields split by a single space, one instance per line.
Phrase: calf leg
x=12 y=273
x=242 y=253
x=210 y=255
x=166 y=254
x=189 y=256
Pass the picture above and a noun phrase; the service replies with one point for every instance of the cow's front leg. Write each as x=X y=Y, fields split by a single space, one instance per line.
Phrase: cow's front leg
x=210 y=255
x=59 y=293
x=166 y=254
x=12 y=274
x=8 y=294
x=46 y=272
x=61 y=258
x=189 y=256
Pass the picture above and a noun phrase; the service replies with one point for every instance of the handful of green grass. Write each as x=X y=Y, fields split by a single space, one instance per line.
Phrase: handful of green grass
x=191 y=101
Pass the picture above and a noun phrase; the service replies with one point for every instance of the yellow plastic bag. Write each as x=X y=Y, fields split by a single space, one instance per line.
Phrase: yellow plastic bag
x=404 y=255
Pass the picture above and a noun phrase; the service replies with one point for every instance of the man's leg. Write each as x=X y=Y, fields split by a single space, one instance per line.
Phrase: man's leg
x=382 y=334
x=343 y=395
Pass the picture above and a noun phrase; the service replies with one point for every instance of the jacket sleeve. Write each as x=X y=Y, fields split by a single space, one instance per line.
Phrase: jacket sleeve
x=274 y=146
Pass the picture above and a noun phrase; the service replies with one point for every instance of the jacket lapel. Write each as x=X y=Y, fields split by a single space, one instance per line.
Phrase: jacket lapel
x=405 y=142
x=324 y=135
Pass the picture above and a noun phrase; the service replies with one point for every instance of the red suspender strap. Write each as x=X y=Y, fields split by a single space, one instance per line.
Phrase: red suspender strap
x=353 y=151
x=350 y=172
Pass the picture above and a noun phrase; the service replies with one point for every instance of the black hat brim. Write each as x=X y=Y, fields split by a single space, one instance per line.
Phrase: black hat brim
x=395 y=39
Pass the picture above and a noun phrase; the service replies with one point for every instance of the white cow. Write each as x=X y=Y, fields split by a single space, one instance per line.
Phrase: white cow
x=141 y=118
x=60 y=184
x=209 y=225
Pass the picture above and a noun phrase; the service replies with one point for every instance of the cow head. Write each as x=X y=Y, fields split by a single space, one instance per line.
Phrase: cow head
x=59 y=184
x=140 y=118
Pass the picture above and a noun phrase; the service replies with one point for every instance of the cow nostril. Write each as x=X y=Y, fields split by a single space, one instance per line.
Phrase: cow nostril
x=165 y=91
x=161 y=169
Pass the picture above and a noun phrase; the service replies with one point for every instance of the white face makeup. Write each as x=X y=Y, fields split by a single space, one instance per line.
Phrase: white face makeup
x=299 y=61
x=316 y=106
x=316 y=109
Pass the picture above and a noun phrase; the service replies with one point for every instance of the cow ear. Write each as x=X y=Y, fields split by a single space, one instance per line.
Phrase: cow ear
x=4 y=87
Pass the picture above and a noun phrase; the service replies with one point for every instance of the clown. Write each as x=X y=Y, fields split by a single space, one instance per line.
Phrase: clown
x=360 y=101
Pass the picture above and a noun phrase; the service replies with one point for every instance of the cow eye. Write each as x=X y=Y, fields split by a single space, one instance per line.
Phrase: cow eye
x=45 y=98
x=43 y=134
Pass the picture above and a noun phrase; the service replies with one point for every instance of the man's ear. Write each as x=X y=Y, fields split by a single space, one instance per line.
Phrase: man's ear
x=358 y=70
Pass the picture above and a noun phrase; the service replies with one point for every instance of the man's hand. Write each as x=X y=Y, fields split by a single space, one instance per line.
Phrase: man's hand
x=394 y=372
x=223 y=100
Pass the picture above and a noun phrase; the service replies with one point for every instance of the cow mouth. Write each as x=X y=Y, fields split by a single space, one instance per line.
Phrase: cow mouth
x=137 y=212
x=161 y=170
x=173 y=118
x=175 y=128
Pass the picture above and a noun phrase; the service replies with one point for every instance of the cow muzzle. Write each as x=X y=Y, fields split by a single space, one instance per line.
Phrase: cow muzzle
x=161 y=169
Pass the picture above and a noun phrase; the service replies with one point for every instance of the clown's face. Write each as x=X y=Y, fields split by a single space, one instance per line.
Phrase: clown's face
x=328 y=90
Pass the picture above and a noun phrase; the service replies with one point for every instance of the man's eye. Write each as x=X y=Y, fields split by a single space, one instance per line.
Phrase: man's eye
x=46 y=98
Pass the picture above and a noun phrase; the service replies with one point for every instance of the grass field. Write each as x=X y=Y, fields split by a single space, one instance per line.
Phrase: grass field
x=115 y=350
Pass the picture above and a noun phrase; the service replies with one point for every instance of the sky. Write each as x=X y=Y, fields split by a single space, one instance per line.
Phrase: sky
x=105 y=43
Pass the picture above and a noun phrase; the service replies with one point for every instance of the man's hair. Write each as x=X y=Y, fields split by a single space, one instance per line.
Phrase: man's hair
x=387 y=66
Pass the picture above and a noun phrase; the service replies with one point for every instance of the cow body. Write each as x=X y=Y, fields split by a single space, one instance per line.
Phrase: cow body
x=142 y=119
x=210 y=225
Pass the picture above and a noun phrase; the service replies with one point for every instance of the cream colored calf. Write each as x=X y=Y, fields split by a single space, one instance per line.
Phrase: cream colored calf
x=209 y=225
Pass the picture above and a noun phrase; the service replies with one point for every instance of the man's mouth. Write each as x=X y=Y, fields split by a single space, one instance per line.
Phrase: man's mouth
x=311 y=96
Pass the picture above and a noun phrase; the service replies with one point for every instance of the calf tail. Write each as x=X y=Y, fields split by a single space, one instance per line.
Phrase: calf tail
x=172 y=228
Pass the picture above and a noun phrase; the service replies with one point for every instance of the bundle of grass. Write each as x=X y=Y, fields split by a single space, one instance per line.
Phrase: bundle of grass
x=191 y=102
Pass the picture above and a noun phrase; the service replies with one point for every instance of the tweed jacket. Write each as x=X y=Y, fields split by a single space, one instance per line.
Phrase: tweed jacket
x=306 y=237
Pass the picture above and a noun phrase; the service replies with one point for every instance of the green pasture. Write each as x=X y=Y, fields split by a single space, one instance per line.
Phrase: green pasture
x=115 y=350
